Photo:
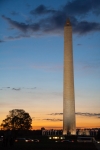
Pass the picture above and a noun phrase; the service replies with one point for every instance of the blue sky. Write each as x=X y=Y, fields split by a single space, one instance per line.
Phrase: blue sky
x=31 y=59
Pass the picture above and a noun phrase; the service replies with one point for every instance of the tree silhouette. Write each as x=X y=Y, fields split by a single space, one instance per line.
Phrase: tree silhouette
x=17 y=119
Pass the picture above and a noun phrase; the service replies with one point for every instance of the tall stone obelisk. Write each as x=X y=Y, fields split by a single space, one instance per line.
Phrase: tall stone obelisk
x=69 y=123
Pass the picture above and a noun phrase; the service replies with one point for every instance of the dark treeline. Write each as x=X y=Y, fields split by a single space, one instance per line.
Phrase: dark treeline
x=23 y=133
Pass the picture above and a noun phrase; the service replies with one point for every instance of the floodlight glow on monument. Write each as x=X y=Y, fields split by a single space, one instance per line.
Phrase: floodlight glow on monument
x=69 y=123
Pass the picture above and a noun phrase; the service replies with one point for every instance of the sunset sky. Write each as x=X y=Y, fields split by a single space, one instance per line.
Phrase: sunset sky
x=31 y=60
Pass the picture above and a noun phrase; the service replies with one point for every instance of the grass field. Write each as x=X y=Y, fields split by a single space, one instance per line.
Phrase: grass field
x=49 y=146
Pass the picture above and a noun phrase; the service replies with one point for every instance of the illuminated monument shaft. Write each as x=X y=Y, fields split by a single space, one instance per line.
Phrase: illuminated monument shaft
x=69 y=123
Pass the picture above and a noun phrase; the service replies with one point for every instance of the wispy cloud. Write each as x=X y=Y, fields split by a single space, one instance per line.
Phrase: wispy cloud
x=20 y=36
x=56 y=114
x=97 y=115
x=88 y=114
x=7 y=87
x=54 y=120
x=80 y=114
x=21 y=26
x=16 y=89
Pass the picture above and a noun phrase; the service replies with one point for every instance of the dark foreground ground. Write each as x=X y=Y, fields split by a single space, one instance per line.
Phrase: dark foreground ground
x=50 y=146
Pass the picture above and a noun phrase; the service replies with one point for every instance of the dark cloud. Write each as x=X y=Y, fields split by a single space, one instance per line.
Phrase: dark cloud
x=79 y=44
x=88 y=114
x=16 y=89
x=81 y=114
x=81 y=8
x=86 y=27
x=75 y=8
x=10 y=38
x=41 y=9
x=1 y=41
x=53 y=119
x=21 y=26
x=56 y=114
x=54 y=25
x=54 y=20
x=72 y=8
x=19 y=88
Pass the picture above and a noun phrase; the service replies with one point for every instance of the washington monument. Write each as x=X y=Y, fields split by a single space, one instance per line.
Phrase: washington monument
x=69 y=123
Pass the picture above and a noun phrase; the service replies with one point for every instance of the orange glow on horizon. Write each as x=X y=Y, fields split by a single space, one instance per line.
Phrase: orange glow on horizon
x=81 y=122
